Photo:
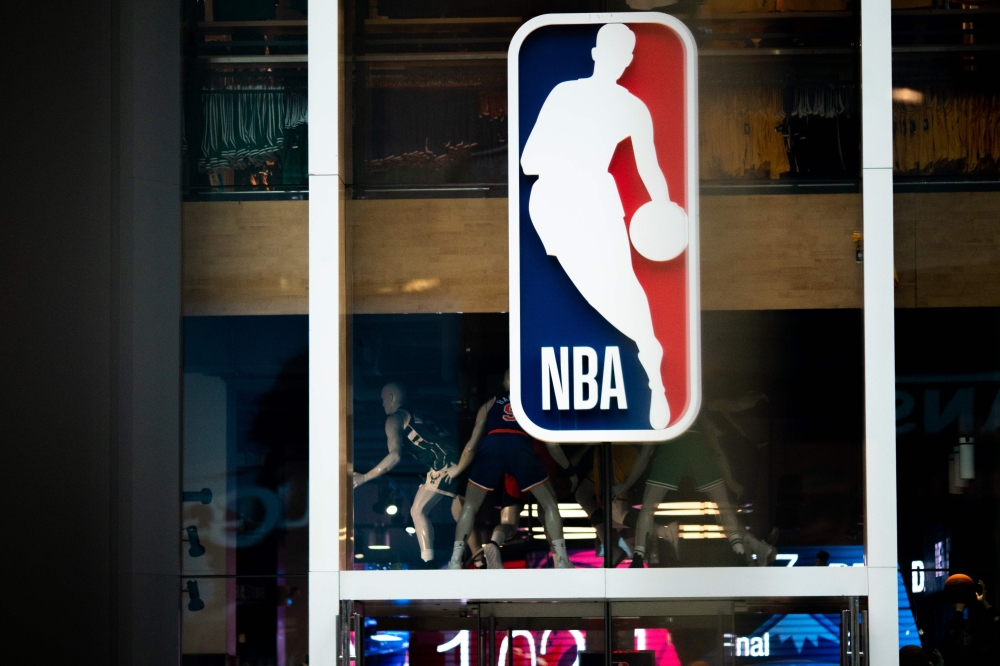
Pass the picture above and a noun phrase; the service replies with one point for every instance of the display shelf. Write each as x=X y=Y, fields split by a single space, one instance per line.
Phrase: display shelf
x=383 y=25
x=429 y=57
x=946 y=48
x=231 y=25
x=705 y=53
x=292 y=59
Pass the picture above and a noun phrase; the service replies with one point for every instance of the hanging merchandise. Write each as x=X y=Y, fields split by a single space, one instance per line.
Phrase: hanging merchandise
x=740 y=133
x=822 y=129
x=246 y=125
x=946 y=132
x=295 y=156
x=436 y=126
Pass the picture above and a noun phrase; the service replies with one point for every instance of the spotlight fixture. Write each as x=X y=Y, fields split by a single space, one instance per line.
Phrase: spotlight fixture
x=195 y=604
x=388 y=500
x=378 y=538
x=196 y=549
x=204 y=496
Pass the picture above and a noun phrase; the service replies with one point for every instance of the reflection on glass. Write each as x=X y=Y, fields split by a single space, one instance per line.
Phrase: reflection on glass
x=946 y=151
x=772 y=462
x=441 y=428
x=246 y=429
x=256 y=620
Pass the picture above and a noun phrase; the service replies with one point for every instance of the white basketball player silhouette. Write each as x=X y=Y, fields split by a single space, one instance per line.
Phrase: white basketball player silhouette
x=575 y=205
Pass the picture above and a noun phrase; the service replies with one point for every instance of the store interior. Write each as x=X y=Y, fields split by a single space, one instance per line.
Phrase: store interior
x=426 y=212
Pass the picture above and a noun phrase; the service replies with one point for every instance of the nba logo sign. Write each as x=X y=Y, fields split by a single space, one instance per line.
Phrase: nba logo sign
x=604 y=322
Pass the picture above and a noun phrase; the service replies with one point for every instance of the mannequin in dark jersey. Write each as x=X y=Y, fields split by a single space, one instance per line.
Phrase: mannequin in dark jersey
x=407 y=433
x=499 y=445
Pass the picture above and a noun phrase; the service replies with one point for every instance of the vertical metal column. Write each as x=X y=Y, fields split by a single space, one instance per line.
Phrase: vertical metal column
x=879 y=329
x=609 y=641
x=854 y=635
x=480 y=655
x=491 y=651
x=607 y=480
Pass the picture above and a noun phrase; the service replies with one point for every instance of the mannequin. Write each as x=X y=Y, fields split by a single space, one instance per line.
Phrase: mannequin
x=406 y=432
x=629 y=463
x=698 y=453
x=498 y=445
x=565 y=481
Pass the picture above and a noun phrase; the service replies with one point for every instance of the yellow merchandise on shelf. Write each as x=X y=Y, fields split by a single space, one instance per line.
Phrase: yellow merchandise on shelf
x=813 y=5
x=948 y=131
x=739 y=6
x=739 y=135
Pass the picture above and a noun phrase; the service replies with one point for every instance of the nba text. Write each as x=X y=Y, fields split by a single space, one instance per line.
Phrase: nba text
x=556 y=378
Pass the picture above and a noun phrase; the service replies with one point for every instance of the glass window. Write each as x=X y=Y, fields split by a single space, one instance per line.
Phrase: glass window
x=774 y=463
x=655 y=633
x=945 y=96
x=246 y=115
x=245 y=472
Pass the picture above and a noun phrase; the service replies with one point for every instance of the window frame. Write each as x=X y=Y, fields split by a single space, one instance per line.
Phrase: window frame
x=331 y=579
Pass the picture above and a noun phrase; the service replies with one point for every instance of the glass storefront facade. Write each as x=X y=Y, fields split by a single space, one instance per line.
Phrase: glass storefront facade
x=347 y=326
x=945 y=173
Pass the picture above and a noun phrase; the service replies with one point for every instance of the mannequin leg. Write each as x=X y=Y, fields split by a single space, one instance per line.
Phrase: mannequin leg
x=424 y=501
x=652 y=496
x=546 y=496
x=474 y=498
x=509 y=518
x=586 y=496
x=475 y=543
x=727 y=513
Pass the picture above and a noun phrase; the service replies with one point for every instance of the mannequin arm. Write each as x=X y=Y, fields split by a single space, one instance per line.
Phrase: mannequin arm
x=469 y=452
x=393 y=430
x=645 y=156
x=560 y=457
x=641 y=462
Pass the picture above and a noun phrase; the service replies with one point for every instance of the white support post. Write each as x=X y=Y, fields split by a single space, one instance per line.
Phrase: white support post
x=879 y=312
x=326 y=318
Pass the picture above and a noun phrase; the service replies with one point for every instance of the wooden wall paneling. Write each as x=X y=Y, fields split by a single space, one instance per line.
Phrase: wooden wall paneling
x=248 y=257
x=957 y=248
x=905 y=250
x=775 y=252
x=450 y=255
x=429 y=255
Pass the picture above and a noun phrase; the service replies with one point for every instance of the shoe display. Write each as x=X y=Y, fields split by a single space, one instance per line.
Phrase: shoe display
x=759 y=553
x=491 y=553
x=563 y=563
x=637 y=562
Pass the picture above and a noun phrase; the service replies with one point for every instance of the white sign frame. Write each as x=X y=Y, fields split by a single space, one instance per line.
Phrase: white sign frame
x=693 y=259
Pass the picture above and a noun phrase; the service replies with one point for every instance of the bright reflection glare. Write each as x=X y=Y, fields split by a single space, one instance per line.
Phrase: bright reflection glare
x=907 y=96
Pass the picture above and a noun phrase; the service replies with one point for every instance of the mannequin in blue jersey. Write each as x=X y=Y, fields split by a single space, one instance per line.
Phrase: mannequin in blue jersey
x=499 y=445
x=407 y=433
